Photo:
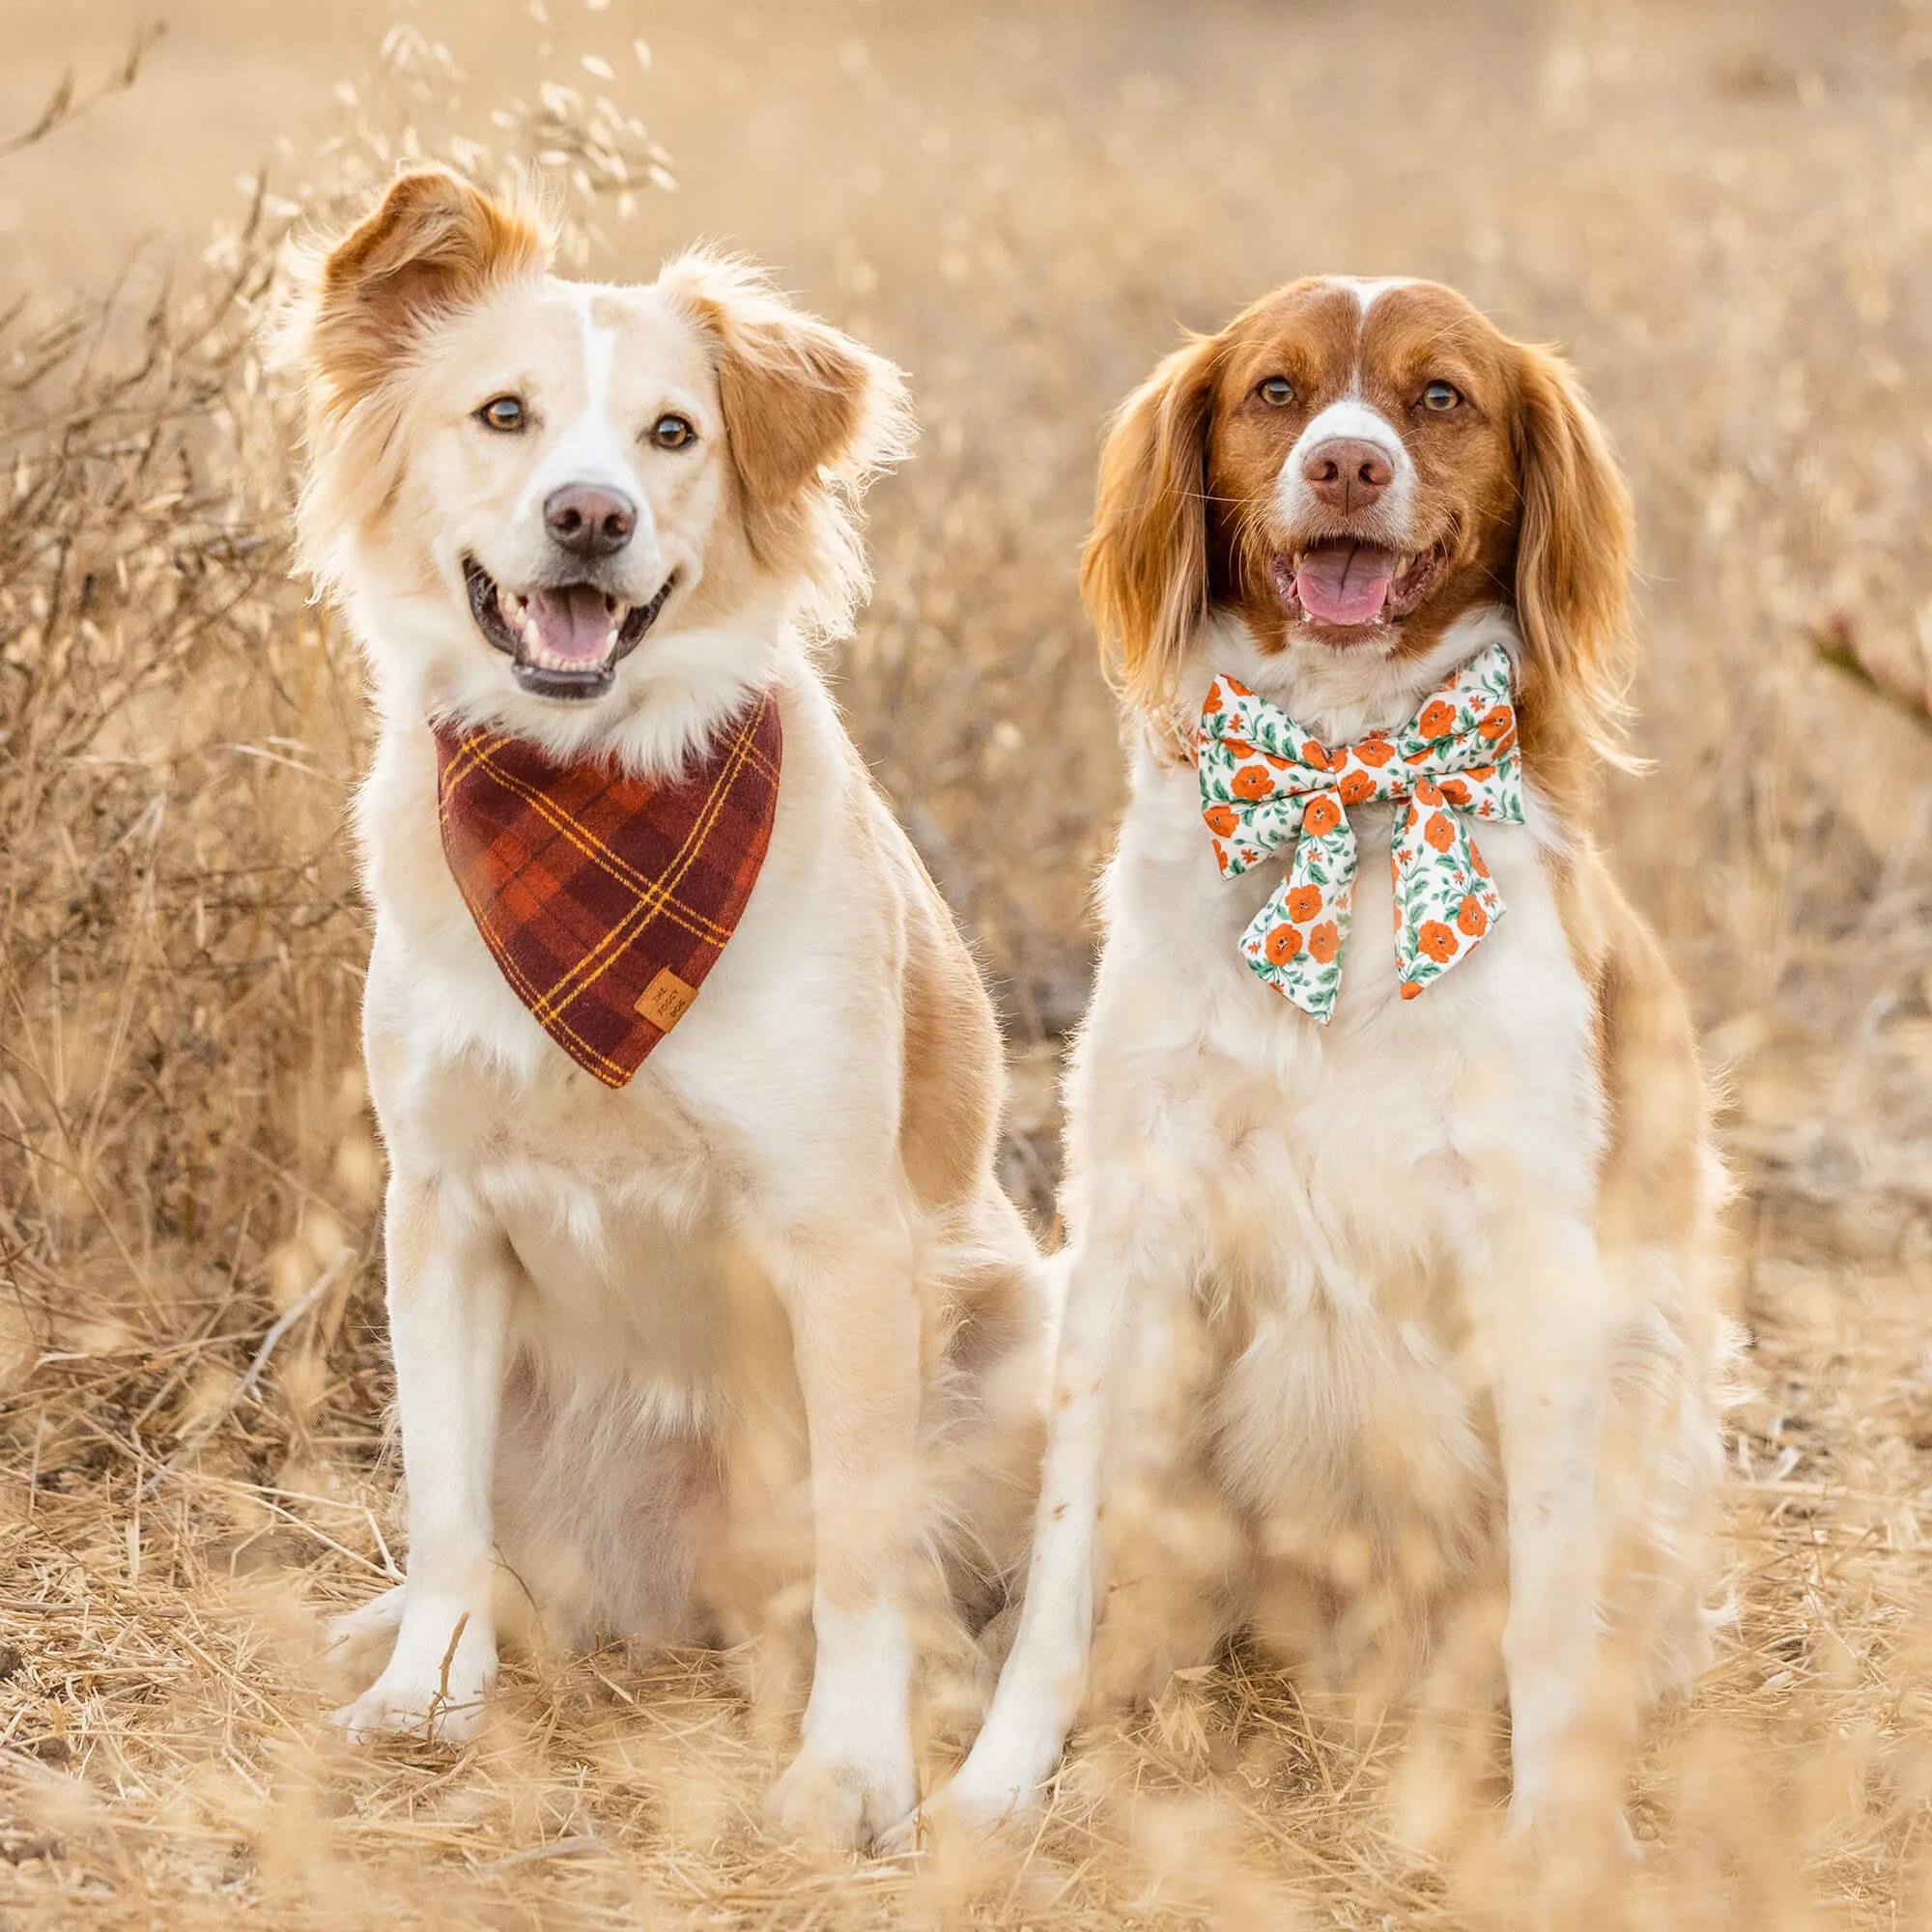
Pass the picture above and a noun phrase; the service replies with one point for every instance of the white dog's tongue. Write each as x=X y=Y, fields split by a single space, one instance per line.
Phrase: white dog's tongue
x=1345 y=582
x=574 y=624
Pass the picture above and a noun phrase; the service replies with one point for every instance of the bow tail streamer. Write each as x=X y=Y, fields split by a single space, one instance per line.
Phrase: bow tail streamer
x=1445 y=900
x=1297 y=941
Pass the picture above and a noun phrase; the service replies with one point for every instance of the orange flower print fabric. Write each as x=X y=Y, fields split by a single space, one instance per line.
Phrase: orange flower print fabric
x=1263 y=781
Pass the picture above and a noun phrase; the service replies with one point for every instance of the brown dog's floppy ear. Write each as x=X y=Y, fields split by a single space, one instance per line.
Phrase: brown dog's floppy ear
x=1144 y=572
x=810 y=415
x=435 y=243
x=1574 y=543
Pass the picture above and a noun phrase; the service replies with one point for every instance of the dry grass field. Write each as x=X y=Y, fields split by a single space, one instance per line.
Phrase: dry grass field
x=1723 y=210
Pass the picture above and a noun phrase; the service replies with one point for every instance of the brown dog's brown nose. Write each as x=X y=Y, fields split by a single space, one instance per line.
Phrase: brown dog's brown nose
x=1347 y=473
x=590 y=522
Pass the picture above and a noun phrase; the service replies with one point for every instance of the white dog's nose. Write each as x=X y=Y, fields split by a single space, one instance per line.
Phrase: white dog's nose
x=590 y=522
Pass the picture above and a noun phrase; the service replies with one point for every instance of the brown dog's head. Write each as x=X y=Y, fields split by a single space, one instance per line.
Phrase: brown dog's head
x=1351 y=467
x=545 y=502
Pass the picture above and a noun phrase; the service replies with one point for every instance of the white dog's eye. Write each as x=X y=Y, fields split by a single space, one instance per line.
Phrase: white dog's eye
x=504 y=413
x=1441 y=396
x=673 y=433
x=1277 y=391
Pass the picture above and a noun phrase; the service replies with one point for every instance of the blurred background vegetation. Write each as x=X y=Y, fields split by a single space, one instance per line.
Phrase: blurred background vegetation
x=1721 y=211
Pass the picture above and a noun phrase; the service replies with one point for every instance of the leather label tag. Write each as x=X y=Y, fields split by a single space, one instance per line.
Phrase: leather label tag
x=666 y=999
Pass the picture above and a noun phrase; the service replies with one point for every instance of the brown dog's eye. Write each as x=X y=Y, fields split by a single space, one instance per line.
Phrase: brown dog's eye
x=502 y=412
x=672 y=433
x=1442 y=396
x=1277 y=391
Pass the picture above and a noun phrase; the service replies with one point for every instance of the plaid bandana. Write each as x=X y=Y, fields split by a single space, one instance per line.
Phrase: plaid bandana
x=1262 y=779
x=603 y=901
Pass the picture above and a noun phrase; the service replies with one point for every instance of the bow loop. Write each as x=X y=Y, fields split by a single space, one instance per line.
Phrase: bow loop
x=1262 y=769
x=1263 y=781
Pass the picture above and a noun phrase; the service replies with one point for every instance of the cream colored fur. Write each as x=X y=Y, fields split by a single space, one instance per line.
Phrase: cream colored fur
x=763 y=1317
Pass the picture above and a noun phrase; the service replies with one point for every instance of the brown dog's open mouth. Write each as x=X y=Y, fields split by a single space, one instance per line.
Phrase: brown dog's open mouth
x=1347 y=584
x=563 y=640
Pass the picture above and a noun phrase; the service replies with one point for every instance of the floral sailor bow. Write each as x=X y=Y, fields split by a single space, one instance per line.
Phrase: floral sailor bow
x=1262 y=779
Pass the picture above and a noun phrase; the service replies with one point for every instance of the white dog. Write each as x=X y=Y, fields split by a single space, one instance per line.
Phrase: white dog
x=682 y=1263
x=1389 y=1260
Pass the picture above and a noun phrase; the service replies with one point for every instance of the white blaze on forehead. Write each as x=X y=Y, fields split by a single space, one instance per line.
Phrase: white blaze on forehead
x=592 y=447
x=1356 y=420
x=1366 y=289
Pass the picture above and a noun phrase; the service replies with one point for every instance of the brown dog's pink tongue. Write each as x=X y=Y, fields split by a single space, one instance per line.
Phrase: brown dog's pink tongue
x=1345 y=582
x=573 y=623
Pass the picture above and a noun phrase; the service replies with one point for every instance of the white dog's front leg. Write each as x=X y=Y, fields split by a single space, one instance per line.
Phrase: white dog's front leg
x=856 y=1342
x=448 y=1298
x=1551 y=1396
x=1045 y=1675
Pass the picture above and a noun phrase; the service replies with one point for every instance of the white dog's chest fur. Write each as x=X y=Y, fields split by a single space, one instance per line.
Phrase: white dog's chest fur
x=1344 y=1174
x=618 y=1208
x=619 y=1251
x=626 y=1208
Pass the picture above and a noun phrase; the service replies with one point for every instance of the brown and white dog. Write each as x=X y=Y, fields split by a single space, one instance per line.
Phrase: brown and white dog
x=1365 y=1315
x=664 y=1350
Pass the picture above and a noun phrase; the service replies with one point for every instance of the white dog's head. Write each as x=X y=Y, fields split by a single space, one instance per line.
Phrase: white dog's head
x=580 y=513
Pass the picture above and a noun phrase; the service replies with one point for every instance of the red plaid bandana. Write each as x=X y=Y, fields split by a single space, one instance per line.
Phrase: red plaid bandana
x=603 y=901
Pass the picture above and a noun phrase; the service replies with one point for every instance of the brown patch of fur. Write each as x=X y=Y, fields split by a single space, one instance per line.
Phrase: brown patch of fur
x=1655 y=1178
x=1144 y=572
x=791 y=402
x=433 y=244
x=1575 y=532
x=951 y=1098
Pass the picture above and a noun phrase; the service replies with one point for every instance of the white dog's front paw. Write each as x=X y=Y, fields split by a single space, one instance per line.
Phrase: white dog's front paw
x=360 y=1640
x=434 y=1686
x=842 y=1799
x=977 y=1802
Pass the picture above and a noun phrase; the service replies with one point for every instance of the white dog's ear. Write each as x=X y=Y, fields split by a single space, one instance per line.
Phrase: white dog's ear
x=359 y=309
x=435 y=243
x=805 y=406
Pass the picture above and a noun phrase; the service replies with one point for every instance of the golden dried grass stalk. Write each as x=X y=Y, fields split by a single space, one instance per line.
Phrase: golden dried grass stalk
x=1905 y=687
x=66 y=103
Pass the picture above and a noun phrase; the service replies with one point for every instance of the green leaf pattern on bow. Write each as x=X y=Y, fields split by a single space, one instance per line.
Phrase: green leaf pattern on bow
x=1263 y=781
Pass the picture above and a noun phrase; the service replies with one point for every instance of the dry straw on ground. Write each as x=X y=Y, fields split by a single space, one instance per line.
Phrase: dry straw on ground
x=1724 y=212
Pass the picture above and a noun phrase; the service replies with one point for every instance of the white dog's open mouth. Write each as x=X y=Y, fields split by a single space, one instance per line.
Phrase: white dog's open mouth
x=563 y=640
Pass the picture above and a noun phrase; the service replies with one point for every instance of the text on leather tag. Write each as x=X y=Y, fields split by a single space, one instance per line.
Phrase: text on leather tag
x=666 y=999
